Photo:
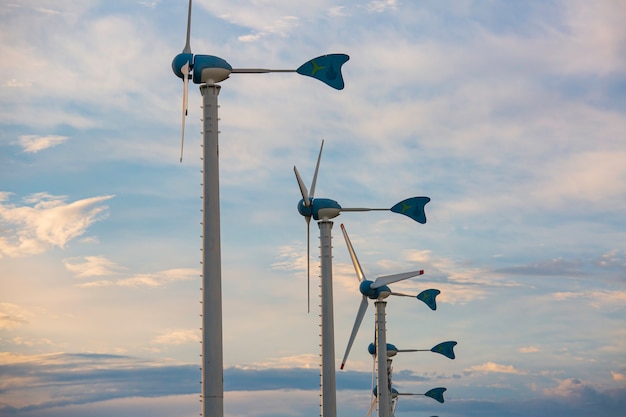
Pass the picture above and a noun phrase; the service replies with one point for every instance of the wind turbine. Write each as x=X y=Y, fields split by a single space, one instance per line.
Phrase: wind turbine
x=322 y=210
x=378 y=290
x=444 y=348
x=208 y=70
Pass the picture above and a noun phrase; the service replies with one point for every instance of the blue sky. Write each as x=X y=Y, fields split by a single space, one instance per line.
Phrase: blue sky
x=510 y=116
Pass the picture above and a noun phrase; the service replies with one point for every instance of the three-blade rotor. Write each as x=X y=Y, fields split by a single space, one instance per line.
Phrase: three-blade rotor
x=307 y=202
x=376 y=289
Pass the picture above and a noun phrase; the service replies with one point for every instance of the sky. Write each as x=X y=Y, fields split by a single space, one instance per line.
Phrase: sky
x=510 y=116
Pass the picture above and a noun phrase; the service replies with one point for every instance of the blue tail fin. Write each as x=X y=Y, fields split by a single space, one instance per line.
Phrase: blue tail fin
x=429 y=297
x=436 y=394
x=413 y=207
x=326 y=68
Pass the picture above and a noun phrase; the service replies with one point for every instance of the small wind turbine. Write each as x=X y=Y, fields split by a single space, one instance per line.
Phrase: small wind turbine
x=208 y=70
x=444 y=348
x=378 y=290
x=322 y=210
x=435 y=393
x=325 y=209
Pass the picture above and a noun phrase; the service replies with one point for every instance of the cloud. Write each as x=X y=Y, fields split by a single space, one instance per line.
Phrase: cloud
x=159 y=279
x=12 y=316
x=91 y=266
x=528 y=349
x=46 y=221
x=617 y=376
x=571 y=387
x=491 y=367
x=177 y=337
x=380 y=6
x=599 y=299
x=33 y=143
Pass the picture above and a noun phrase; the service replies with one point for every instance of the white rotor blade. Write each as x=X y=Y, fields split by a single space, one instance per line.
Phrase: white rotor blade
x=303 y=190
x=357 y=323
x=355 y=261
x=187 y=49
x=185 y=71
x=317 y=168
x=369 y=412
x=388 y=279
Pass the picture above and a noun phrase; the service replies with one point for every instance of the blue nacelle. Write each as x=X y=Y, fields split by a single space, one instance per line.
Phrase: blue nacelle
x=206 y=68
x=179 y=61
x=320 y=208
x=374 y=293
x=392 y=350
x=394 y=392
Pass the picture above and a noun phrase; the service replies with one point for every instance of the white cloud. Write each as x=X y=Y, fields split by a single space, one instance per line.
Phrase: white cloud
x=91 y=266
x=12 y=316
x=177 y=337
x=492 y=367
x=571 y=387
x=46 y=221
x=528 y=349
x=618 y=376
x=599 y=299
x=296 y=361
x=380 y=6
x=159 y=279
x=34 y=143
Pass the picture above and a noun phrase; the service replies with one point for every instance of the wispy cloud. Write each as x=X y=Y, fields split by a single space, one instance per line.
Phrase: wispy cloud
x=492 y=367
x=33 y=143
x=177 y=337
x=380 y=6
x=12 y=316
x=91 y=266
x=46 y=221
x=158 y=279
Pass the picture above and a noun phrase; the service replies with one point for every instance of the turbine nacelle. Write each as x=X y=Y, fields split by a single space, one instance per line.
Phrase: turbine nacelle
x=319 y=208
x=374 y=293
x=206 y=68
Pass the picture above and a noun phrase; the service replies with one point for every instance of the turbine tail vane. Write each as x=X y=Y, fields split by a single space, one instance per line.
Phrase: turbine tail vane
x=412 y=207
x=326 y=68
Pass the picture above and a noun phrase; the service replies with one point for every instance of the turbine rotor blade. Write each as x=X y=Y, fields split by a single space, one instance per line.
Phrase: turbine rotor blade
x=317 y=168
x=388 y=279
x=187 y=49
x=369 y=412
x=357 y=323
x=355 y=261
x=185 y=71
x=303 y=190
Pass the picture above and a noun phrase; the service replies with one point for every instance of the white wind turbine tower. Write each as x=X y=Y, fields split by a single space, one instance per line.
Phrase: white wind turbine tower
x=208 y=71
x=322 y=210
